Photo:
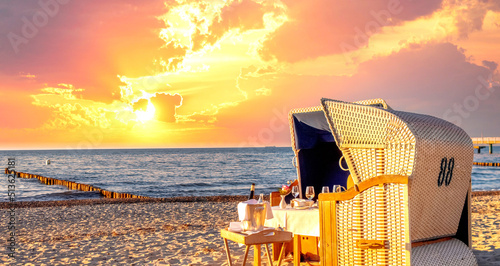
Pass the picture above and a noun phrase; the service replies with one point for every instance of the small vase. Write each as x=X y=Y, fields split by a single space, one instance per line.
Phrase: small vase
x=283 y=202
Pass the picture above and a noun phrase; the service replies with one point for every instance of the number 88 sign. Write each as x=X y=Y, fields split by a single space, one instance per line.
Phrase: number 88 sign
x=446 y=171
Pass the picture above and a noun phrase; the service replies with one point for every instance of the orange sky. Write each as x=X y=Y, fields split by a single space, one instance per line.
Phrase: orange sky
x=113 y=74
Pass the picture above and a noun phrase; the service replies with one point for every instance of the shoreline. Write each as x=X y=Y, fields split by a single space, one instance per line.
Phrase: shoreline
x=57 y=203
x=222 y=198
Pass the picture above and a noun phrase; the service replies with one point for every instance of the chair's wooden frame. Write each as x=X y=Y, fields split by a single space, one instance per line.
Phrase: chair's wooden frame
x=329 y=226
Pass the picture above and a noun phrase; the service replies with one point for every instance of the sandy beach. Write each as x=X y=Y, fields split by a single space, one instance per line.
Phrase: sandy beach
x=486 y=229
x=164 y=233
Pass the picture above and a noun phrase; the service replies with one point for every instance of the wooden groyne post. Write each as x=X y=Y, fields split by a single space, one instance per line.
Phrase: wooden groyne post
x=487 y=164
x=74 y=186
x=479 y=148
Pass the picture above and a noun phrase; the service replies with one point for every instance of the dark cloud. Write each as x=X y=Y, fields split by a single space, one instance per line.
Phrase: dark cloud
x=490 y=64
x=141 y=104
x=165 y=105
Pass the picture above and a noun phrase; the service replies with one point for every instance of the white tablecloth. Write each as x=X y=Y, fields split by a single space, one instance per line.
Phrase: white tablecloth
x=301 y=222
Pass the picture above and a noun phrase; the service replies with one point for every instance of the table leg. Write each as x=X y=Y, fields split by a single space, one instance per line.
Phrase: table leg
x=246 y=254
x=296 y=250
x=283 y=248
x=227 y=252
x=276 y=246
x=257 y=261
x=269 y=255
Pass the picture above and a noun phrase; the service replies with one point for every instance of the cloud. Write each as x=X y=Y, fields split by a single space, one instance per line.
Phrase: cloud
x=324 y=27
x=165 y=105
x=202 y=117
x=490 y=65
x=470 y=14
x=414 y=77
x=71 y=116
x=195 y=26
x=67 y=91
x=174 y=52
x=69 y=112
x=141 y=104
x=252 y=80
x=243 y=15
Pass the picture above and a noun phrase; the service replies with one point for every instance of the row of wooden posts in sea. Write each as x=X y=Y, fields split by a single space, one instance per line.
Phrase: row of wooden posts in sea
x=487 y=164
x=110 y=194
x=73 y=185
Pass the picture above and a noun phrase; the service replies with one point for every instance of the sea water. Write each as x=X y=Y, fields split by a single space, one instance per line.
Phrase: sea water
x=172 y=172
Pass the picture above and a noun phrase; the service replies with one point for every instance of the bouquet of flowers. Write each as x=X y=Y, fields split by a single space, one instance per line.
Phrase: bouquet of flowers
x=286 y=189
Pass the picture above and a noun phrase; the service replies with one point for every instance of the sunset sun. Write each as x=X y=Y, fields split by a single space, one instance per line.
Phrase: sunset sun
x=146 y=115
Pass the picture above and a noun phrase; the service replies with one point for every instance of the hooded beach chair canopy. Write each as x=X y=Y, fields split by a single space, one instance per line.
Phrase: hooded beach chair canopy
x=369 y=141
x=311 y=129
x=318 y=156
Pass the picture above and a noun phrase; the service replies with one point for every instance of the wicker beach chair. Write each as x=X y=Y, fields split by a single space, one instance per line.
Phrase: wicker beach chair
x=410 y=202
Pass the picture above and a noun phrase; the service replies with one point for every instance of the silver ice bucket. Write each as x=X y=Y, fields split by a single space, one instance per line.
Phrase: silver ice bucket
x=257 y=216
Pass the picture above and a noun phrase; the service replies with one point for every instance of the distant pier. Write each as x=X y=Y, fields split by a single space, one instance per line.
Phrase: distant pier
x=74 y=186
x=487 y=141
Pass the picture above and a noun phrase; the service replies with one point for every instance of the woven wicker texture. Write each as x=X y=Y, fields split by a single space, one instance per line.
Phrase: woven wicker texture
x=376 y=214
x=375 y=102
x=453 y=252
x=435 y=154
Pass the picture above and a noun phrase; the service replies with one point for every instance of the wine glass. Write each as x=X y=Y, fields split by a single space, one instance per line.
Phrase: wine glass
x=338 y=188
x=295 y=191
x=310 y=192
x=325 y=189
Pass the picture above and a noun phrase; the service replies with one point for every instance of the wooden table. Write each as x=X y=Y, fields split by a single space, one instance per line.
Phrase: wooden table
x=263 y=237
x=304 y=224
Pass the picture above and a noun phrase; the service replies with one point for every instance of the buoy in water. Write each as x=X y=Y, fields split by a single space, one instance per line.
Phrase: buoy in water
x=47 y=162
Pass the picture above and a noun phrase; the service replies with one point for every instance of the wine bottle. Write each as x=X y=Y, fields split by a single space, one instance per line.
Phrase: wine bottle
x=252 y=190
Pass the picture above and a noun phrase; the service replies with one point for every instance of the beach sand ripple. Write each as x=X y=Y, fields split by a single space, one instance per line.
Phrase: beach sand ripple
x=167 y=233
x=486 y=229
